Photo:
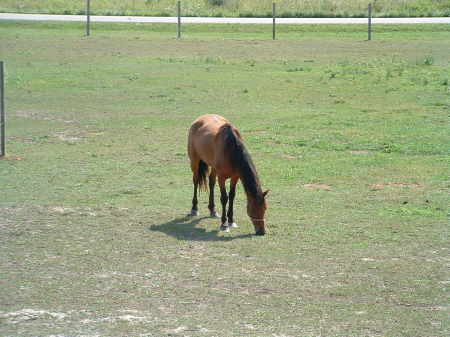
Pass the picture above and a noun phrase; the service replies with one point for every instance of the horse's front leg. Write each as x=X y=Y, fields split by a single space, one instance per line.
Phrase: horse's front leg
x=223 y=200
x=231 y=195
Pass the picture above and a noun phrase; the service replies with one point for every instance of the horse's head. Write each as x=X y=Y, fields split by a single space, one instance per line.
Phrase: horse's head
x=256 y=209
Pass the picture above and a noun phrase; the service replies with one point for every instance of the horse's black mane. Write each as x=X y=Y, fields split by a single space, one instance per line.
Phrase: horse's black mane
x=242 y=161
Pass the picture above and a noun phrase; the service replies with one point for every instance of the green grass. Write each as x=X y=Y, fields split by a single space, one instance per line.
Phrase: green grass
x=243 y=8
x=351 y=137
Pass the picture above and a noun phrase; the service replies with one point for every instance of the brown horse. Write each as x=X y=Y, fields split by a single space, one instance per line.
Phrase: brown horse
x=216 y=148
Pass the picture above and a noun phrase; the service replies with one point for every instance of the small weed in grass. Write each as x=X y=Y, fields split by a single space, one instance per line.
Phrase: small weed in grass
x=428 y=61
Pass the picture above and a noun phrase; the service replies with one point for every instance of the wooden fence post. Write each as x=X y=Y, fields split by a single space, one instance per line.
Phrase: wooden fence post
x=179 y=20
x=88 y=17
x=369 y=28
x=273 y=21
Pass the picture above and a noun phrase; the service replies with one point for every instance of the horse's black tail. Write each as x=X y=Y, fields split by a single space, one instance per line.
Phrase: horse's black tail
x=201 y=174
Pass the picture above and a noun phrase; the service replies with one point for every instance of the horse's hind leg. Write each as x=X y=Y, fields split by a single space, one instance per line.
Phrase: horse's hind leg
x=194 y=210
x=212 y=184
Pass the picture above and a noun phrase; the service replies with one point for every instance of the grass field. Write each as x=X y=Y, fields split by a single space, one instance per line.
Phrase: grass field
x=352 y=137
x=244 y=8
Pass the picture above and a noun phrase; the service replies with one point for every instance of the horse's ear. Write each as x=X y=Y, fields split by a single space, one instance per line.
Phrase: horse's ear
x=265 y=193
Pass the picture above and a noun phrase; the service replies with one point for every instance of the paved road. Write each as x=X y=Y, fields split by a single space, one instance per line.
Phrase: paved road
x=144 y=19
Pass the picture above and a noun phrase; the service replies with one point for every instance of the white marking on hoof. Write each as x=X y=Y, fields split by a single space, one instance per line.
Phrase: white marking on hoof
x=194 y=213
x=234 y=225
x=215 y=215
x=224 y=227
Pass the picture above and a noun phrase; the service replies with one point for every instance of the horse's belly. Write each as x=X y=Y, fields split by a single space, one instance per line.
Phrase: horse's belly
x=204 y=147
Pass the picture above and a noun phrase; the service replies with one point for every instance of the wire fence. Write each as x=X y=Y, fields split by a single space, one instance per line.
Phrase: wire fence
x=273 y=15
x=179 y=13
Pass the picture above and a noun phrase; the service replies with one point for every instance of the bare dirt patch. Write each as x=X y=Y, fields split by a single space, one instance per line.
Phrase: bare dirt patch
x=289 y=156
x=70 y=136
x=263 y=132
x=30 y=315
x=83 y=211
x=23 y=140
x=358 y=152
x=39 y=115
x=324 y=187
x=67 y=137
x=11 y=157
x=395 y=185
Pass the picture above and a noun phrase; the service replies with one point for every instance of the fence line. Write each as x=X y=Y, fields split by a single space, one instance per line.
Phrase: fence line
x=226 y=20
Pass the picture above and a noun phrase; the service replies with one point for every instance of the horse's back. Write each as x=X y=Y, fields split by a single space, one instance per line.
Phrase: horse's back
x=202 y=135
x=208 y=123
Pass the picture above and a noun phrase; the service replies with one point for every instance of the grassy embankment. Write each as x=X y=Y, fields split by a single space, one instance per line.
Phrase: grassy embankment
x=245 y=8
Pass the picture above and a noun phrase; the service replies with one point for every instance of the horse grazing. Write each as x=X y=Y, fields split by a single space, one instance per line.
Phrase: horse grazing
x=216 y=149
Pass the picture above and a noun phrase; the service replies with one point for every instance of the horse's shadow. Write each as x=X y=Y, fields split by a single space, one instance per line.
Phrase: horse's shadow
x=185 y=228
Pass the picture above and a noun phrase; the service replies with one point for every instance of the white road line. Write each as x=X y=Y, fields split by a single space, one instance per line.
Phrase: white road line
x=154 y=19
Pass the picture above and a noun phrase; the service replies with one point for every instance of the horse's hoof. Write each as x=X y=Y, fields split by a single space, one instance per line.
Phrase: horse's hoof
x=233 y=225
x=214 y=214
x=194 y=213
x=224 y=228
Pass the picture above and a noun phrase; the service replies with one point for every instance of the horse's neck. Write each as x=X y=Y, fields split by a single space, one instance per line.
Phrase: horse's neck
x=241 y=160
x=250 y=197
x=249 y=178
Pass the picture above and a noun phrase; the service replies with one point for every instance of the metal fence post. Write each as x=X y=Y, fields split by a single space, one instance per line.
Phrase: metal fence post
x=179 y=20
x=369 y=28
x=273 y=20
x=88 y=17
x=2 y=110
